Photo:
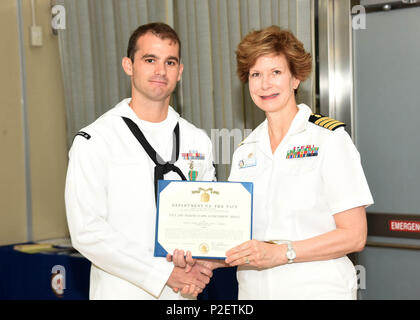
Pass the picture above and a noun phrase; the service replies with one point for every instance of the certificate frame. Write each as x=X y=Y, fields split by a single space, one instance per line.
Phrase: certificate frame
x=160 y=251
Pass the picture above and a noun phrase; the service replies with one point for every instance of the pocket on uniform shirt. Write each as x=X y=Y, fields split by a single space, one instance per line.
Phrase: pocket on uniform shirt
x=299 y=180
x=299 y=166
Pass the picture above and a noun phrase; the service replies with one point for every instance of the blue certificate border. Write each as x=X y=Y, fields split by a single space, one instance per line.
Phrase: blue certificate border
x=162 y=184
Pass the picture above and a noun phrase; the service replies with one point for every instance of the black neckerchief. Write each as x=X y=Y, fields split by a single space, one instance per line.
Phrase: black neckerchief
x=161 y=167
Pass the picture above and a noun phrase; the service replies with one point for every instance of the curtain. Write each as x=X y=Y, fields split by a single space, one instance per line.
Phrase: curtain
x=211 y=95
x=92 y=46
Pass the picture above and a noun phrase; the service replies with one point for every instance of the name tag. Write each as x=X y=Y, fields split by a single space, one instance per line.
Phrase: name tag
x=251 y=161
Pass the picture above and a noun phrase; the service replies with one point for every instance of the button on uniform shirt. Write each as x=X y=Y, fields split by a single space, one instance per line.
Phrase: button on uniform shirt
x=110 y=201
x=313 y=174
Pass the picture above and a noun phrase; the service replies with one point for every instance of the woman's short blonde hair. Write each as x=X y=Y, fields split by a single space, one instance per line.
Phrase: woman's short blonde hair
x=273 y=40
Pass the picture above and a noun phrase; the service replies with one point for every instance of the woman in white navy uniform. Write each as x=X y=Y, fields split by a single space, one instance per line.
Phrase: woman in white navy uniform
x=114 y=166
x=310 y=191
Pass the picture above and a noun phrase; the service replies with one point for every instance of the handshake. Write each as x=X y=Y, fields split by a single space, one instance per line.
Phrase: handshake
x=190 y=276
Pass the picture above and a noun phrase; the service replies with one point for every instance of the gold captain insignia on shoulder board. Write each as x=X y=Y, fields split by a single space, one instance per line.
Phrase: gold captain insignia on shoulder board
x=331 y=125
x=337 y=125
x=326 y=122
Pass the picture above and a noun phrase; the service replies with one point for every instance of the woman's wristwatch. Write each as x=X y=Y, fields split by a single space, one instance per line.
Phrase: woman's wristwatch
x=290 y=253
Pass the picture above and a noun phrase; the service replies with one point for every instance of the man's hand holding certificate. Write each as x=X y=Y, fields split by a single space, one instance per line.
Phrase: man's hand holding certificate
x=205 y=218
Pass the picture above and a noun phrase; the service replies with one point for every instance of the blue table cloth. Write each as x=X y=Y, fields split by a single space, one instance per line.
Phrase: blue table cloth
x=25 y=276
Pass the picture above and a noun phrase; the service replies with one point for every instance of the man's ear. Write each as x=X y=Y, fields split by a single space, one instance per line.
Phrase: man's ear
x=127 y=65
x=181 y=68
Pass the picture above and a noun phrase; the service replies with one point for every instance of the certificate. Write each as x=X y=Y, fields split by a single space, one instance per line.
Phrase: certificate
x=206 y=218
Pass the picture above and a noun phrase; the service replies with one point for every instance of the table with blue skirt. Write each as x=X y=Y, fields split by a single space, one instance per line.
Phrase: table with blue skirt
x=25 y=276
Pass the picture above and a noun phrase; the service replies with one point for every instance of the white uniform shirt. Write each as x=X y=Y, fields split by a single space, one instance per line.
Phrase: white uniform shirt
x=110 y=200
x=295 y=198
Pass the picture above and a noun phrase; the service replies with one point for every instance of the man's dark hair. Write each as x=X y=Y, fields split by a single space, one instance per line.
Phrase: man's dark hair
x=159 y=29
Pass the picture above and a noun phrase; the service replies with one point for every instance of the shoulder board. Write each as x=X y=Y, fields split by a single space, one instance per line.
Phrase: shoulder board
x=83 y=134
x=326 y=122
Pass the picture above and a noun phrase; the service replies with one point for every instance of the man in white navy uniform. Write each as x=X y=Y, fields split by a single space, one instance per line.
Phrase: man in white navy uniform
x=113 y=170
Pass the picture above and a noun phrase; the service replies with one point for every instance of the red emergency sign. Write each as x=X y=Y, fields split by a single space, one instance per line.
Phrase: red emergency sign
x=404 y=225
